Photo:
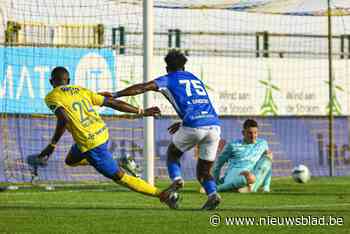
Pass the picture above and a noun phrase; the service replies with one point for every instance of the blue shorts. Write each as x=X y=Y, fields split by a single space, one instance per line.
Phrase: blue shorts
x=100 y=158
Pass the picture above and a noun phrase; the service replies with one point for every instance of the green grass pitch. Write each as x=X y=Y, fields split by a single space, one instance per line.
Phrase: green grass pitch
x=109 y=208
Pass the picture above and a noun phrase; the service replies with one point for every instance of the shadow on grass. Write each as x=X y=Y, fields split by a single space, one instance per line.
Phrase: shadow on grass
x=167 y=210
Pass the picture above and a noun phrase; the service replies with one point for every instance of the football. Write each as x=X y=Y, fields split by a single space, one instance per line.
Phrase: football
x=301 y=174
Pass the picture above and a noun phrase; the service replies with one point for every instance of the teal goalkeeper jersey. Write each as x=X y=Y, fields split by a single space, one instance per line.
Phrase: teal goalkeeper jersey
x=240 y=155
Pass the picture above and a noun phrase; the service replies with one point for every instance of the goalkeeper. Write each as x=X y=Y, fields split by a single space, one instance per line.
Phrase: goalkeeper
x=249 y=162
x=74 y=108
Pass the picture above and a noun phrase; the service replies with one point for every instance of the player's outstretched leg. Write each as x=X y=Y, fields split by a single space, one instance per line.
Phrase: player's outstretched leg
x=238 y=180
x=208 y=183
x=101 y=159
x=136 y=184
x=170 y=198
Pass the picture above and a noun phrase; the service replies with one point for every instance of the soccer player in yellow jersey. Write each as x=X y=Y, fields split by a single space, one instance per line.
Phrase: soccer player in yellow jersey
x=74 y=108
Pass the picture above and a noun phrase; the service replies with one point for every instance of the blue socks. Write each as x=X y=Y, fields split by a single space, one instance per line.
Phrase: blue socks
x=209 y=186
x=174 y=170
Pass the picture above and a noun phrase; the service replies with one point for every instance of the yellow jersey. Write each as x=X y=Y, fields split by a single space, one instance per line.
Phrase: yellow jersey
x=85 y=124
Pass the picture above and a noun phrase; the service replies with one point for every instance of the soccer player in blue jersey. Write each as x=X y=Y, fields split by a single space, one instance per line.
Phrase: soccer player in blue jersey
x=74 y=107
x=249 y=162
x=200 y=123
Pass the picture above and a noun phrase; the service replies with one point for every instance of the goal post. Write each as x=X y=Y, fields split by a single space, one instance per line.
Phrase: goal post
x=148 y=32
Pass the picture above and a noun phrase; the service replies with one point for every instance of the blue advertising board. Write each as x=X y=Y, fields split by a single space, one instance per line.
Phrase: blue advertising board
x=292 y=140
x=25 y=72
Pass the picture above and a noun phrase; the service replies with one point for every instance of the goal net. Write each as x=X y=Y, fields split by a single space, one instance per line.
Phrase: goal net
x=262 y=59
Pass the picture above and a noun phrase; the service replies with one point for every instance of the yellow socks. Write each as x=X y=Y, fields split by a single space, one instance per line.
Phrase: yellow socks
x=131 y=182
x=139 y=185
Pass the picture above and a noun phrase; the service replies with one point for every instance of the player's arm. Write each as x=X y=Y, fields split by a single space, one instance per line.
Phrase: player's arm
x=61 y=123
x=154 y=85
x=221 y=160
x=268 y=153
x=133 y=90
x=126 y=107
x=103 y=99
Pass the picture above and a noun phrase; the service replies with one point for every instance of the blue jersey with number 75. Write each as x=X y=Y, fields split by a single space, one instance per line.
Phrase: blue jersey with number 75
x=188 y=96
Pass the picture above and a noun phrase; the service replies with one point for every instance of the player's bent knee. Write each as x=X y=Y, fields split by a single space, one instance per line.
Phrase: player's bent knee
x=118 y=176
x=69 y=162
x=74 y=162
x=250 y=177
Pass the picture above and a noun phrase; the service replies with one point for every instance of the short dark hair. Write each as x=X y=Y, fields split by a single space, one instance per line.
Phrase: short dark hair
x=250 y=123
x=58 y=72
x=175 y=60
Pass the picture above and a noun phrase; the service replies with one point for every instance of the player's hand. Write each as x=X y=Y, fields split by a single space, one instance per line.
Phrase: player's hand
x=46 y=152
x=268 y=154
x=152 y=111
x=174 y=127
x=105 y=94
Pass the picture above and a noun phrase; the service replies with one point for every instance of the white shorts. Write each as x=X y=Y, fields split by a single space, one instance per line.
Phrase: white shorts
x=206 y=137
